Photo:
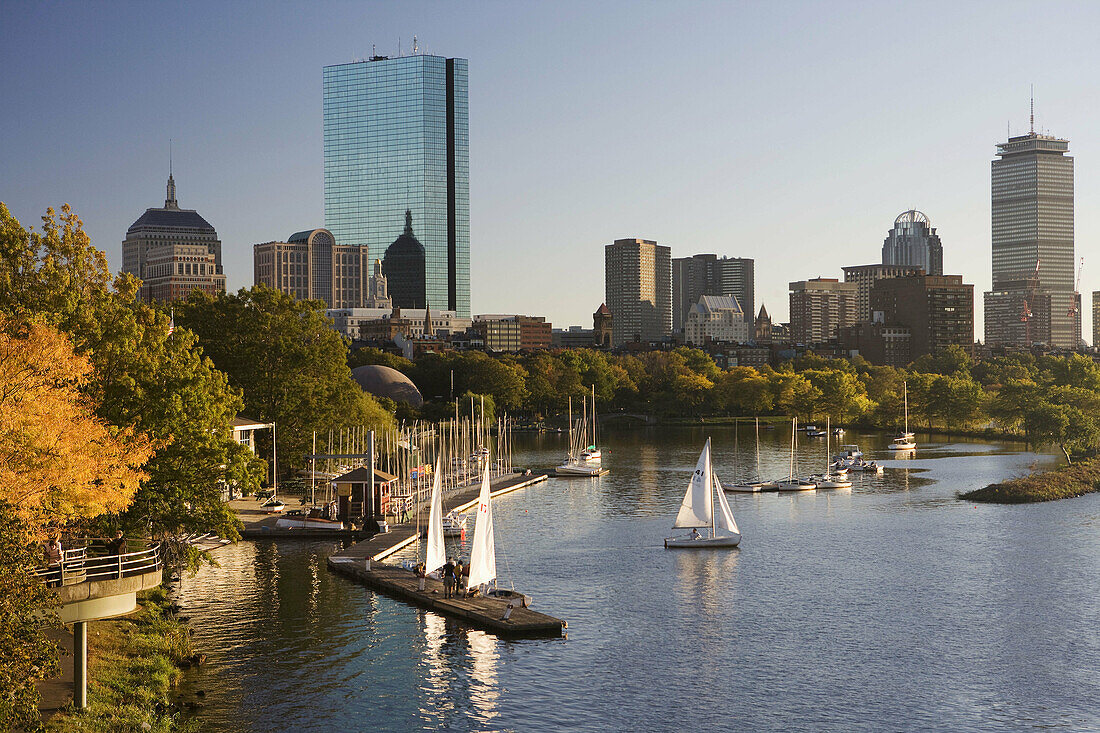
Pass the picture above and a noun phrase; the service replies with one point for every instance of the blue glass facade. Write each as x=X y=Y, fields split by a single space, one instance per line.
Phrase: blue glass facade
x=396 y=137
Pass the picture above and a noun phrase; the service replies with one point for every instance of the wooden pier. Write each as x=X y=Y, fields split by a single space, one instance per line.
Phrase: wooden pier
x=485 y=613
x=490 y=614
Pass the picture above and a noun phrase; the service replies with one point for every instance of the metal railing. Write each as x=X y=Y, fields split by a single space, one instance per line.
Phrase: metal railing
x=90 y=561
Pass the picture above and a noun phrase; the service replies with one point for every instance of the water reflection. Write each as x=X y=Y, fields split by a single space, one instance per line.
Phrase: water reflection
x=925 y=619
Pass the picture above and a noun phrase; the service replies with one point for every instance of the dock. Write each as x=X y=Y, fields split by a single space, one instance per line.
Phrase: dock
x=362 y=562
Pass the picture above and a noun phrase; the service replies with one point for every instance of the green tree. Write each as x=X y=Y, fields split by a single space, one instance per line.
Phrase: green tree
x=373 y=355
x=290 y=364
x=840 y=394
x=26 y=613
x=143 y=380
x=743 y=391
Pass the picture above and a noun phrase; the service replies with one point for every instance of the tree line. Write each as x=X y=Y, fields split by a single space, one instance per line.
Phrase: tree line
x=1045 y=400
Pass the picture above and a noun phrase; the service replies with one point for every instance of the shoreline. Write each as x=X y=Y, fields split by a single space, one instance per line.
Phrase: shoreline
x=1060 y=482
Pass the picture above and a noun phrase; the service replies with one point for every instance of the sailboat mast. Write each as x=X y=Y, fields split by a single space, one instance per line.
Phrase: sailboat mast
x=828 y=434
x=710 y=491
x=570 y=426
x=905 y=393
x=757 y=449
x=794 y=429
x=594 y=443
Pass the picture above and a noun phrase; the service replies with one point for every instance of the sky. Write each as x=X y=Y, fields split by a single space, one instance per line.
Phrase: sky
x=792 y=133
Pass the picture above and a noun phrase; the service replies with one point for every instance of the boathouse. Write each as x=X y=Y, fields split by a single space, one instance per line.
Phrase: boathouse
x=356 y=500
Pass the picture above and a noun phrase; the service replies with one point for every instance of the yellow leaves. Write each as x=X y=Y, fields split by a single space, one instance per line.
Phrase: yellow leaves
x=58 y=462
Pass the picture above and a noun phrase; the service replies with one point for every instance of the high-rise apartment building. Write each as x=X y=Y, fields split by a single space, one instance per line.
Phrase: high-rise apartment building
x=707 y=274
x=1033 y=299
x=938 y=310
x=865 y=276
x=638 y=289
x=913 y=241
x=716 y=318
x=310 y=265
x=1096 y=318
x=819 y=307
x=396 y=137
x=173 y=251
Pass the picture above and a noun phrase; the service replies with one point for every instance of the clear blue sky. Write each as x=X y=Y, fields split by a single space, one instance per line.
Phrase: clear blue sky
x=789 y=132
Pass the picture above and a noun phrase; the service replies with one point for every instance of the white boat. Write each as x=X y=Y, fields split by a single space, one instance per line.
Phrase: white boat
x=483 y=550
x=848 y=455
x=574 y=464
x=454 y=524
x=830 y=479
x=749 y=487
x=866 y=466
x=791 y=483
x=315 y=518
x=699 y=510
x=273 y=505
x=436 y=553
x=592 y=454
x=906 y=441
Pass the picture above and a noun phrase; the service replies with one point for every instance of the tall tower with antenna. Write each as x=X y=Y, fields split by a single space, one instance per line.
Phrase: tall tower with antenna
x=1032 y=224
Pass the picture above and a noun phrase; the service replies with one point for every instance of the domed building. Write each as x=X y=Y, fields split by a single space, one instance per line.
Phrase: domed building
x=403 y=266
x=913 y=241
x=382 y=381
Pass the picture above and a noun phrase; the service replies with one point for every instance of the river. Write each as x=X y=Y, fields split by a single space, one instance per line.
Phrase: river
x=890 y=606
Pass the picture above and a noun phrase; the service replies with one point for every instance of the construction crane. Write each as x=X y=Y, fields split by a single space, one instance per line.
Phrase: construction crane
x=1073 y=309
x=1025 y=313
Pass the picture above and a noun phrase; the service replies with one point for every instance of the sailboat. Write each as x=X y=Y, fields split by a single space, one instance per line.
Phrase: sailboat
x=905 y=441
x=791 y=483
x=832 y=478
x=574 y=465
x=699 y=511
x=592 y=453
x=436 y=553
x=483 y=551
x=752 y=487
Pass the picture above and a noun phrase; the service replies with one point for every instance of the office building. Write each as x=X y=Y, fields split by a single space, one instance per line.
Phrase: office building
x=513 y=332
x=819 y=307
x=383 y=324
x=913 y=241
x=716 y=318
x=864 y=276
x=1033 y=300
x=404 y=267
x=638 y=289
x=310 y=265
x=707 y=274
x=938 y=310
x=173 y=251
x=396 y=137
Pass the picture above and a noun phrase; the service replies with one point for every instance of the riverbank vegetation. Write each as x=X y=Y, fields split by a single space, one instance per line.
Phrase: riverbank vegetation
x=134 y=663
x=1064 y=482
x=1044 y=400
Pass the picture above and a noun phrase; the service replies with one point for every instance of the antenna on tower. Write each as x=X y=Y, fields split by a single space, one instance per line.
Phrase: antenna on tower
x=416 y=48
x=1032 y=109
x=169 y=157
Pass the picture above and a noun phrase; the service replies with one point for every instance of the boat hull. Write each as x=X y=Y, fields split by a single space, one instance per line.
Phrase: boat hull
x=795 y=486
x=687 y=543
x=293 y=523
x=577 y=470
x=751 y=488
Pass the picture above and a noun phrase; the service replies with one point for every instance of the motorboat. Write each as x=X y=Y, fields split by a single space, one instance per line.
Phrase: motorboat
x=848 y=455
x=830 y=481
x=816 y=433
x=591 y=454
x=700 y=511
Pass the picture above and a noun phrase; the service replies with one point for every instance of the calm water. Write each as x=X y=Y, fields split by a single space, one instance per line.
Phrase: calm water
x=891 y=606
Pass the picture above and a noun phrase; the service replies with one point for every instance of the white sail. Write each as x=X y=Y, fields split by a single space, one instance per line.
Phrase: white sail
x=695 y=511
x=724 y=518
x=483 y=553
x=437 y=555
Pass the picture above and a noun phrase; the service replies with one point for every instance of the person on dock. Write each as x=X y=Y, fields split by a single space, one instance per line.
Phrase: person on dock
x=449 y=578
x=458 y=578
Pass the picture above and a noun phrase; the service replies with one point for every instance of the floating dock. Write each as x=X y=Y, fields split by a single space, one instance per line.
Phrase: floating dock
x=485 y=613
x=490 y=614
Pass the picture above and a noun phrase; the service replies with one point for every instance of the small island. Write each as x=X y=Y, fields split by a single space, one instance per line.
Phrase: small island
x=1064 y=482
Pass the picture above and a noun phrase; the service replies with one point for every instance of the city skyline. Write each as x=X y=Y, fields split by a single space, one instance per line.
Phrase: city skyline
x=556 y=170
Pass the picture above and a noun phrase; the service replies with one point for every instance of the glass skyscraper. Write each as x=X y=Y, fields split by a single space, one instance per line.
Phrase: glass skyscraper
x=396 y=134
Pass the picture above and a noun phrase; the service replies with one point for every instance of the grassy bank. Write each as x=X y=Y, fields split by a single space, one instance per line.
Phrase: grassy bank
x=1063 y=482
x=133 y=664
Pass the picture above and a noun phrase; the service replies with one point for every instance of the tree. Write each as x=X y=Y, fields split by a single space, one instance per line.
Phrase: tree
x=26 y=613
x=841 y=394
x=291 y=366
x=142 y=380
x=58 y=461
x=743 y=391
